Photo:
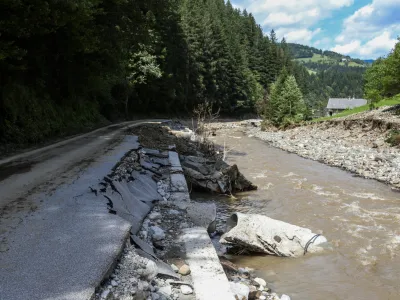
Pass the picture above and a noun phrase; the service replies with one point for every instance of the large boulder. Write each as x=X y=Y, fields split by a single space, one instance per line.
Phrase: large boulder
x=257 y=233
x=214 y=175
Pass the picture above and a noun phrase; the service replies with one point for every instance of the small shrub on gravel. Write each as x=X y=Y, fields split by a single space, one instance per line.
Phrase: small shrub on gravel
x=394 y=138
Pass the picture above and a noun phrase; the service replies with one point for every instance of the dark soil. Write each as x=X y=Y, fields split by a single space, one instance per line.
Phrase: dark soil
x=154 y=136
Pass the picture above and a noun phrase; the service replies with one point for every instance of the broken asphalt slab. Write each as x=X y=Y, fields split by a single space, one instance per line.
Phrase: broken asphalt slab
x=65 y=249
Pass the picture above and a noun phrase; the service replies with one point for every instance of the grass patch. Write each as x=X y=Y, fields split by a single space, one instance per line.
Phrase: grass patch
x=385 y=102
x=393 y=138
x=322 y=59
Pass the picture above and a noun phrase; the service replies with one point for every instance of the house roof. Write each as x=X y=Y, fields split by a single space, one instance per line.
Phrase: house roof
x=343 y=103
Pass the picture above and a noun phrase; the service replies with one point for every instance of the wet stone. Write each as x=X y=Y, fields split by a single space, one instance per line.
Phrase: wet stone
x=184 y=270
x=186 y=290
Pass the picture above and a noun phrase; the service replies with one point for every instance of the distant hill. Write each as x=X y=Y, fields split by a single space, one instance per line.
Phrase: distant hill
x=316 y=59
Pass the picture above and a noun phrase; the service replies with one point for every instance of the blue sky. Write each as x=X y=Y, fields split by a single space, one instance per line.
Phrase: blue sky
x=359 y=28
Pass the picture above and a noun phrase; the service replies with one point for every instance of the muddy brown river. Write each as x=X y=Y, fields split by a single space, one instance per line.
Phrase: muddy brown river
x=360 y=217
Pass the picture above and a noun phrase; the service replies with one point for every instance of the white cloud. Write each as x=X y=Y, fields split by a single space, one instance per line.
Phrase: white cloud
x=323 y=43
x=270 y=6
x=296 y=35
x=382 y=43
x=365 y=27
x=234 y=5
x=347 y=48
x=378 y=46
x=293 y=16
x=284 y=19
x=306 y=11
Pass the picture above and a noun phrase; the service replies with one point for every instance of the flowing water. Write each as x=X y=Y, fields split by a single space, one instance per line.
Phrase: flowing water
x=360 y=217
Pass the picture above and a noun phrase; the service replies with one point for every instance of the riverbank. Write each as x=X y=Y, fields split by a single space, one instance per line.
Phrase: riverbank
x=358 y=216
x=356 y=143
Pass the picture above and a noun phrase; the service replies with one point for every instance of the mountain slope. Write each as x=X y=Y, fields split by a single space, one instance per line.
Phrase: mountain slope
x=308 y=55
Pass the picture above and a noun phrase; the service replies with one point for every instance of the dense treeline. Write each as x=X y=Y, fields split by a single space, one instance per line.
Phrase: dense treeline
x=70 y=65
x=303 y=51
x=383 y=78
x=66 y=65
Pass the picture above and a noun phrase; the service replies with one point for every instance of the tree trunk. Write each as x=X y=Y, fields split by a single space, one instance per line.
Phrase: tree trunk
x=126 y=105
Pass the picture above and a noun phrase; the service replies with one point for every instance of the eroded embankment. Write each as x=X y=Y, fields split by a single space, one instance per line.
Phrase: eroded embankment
x=356 y=144
x=170 y=254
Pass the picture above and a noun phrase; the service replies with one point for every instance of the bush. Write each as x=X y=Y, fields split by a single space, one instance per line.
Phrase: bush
x=266 y=124
x=394 y=138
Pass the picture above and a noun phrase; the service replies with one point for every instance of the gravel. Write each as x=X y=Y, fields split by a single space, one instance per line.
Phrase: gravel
x=355 y=143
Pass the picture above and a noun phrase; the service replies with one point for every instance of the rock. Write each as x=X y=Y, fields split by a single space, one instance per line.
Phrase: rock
x=155 y=296
x=214 y=176
x=228 y=265
x=184 y=270
x=285 y=297
x=262 y=297
x=240 y=290
x=173 y=212
x=133 y=281
x=155 y=216
x=253 y=295
x=243 y=271
x=104 y=294
x=186 y=290
x=114 y=283
x=274 y=296
x=258 y=233
x=175 y=268
x=165 y=290
x=143 y=286
x=159 y=245
x=260 y=281
x=150 y=271
x=157 y=233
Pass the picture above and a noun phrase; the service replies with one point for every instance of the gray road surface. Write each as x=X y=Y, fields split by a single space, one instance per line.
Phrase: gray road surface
x=56 y=238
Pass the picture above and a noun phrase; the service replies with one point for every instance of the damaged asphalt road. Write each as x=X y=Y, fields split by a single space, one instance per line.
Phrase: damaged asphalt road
x=51 y=222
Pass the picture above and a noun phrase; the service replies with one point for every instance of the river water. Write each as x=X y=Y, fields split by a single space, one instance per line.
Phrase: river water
x=360 y=217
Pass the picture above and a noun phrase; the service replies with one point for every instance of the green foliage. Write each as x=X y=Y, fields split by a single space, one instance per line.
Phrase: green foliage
x=302 y=51
x=330 y=74
x=285 y=104
x=383 y=77
x=142 y=66
x=310 y=54
x=68 y=65
x=393 y=138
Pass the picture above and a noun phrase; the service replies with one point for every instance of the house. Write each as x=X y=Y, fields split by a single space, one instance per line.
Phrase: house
x=336 y=105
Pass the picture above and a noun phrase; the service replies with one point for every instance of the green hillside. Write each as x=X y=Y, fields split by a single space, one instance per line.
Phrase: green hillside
x=312 y=58
x=331 y=75
x=323 y=59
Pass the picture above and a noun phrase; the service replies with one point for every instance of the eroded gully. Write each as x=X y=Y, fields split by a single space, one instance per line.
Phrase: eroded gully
x=359 y=217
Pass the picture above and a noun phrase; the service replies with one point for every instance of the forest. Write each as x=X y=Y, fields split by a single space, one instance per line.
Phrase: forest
x=382 y=79
x=68 y=66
